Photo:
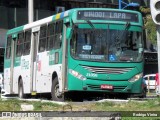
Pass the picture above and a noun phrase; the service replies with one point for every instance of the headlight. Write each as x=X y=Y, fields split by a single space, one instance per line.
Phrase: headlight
x=77 y=74
x=136 y=77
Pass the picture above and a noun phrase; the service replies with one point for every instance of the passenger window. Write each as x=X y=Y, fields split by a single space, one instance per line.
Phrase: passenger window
x=42 y=38
x=8 y=49
x=27 y=42
x=58 y=34
x=20 y=40
x=50 y=36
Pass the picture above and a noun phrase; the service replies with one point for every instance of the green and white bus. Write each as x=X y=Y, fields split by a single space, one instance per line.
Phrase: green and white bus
x=85 y=51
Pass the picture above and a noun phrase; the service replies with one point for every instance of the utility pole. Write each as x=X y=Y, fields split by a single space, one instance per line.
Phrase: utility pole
x=158 y=47
x=120 y=5
x=155 y=12
x=30 y=20
x=30 y=11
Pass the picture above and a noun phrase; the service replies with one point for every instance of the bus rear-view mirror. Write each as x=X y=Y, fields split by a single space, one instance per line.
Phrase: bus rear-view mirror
x=69 y=33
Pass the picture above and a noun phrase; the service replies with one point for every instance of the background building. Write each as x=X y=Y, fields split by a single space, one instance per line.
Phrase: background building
x=14 y=13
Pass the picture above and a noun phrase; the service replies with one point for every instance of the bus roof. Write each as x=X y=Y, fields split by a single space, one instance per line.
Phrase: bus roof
x=39 y=22
x=59 y=16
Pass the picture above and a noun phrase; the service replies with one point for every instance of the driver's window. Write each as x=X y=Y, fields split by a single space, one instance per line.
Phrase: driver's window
x=80 y=42
x=134 y=40
x=83 y=42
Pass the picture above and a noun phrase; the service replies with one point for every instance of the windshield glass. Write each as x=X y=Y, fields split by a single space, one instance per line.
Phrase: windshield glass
x=106 y=45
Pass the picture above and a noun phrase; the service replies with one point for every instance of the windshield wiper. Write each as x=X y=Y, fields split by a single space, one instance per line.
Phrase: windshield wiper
x=118 y=39
x=127 y=25
x=90 y=23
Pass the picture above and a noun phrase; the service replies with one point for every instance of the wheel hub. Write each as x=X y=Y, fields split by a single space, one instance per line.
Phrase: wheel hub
x=57 y=92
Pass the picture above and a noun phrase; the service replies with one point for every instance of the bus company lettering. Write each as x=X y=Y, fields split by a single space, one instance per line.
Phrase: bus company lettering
x=51 y=57
x=24 y=64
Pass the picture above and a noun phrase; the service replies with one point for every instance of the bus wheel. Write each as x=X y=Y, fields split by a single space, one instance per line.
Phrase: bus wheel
x=144 y=92
x=20 y=90
x=55 y=93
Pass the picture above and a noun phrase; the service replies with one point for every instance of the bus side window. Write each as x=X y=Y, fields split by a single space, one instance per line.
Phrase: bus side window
x=27 y=42
x=19 y=49
x=58 y=34
x=8 y=49
x=50 y=36
x=42 y=38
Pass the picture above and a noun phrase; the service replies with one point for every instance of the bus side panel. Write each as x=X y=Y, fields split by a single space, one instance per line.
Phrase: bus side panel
x=16 y=72
x=45 y=69
x=7 y=80
x=25 y=73
x=21 y=70
x=44 y=74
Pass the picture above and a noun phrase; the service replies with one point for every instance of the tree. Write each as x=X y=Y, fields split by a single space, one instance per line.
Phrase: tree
x=149 y=25
x=151 y=30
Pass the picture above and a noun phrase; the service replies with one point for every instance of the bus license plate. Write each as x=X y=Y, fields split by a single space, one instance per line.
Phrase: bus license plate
x=110 y=87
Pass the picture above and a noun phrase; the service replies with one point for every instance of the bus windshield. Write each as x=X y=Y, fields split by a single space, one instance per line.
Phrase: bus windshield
x=106 y=45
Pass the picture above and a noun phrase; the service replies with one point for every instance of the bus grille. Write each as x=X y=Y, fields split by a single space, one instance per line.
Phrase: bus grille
x=103 y=70
x=97 y=87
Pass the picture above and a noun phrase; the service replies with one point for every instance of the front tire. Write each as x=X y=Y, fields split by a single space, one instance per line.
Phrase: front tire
x=144 y=92
x=55 y=93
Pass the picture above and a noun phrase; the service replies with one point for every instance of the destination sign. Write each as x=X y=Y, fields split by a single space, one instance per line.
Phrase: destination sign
x=107 y=15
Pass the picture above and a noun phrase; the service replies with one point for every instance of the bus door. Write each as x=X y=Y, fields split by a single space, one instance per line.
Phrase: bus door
x=35 y=37
x=13 y=44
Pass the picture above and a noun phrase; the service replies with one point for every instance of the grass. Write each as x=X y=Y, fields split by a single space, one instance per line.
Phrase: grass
x=10 y=105
x=149 y=105
x=15 y=105
x=38 y=106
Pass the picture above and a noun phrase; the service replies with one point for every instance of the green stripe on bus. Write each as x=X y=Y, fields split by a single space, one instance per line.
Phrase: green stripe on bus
x=51 y=57
x=122 y=27
x=15 y=30
x=7 y=63
x=17 y=62
x=112 y=26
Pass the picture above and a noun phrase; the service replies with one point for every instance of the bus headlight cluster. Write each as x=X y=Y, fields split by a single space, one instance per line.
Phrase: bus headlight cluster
x=77 y=74
x=136 y=77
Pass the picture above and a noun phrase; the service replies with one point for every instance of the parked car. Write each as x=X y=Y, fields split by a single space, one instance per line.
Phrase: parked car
x=150 y=81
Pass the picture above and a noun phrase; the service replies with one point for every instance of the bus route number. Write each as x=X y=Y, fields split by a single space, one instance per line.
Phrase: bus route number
x=91 y=75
